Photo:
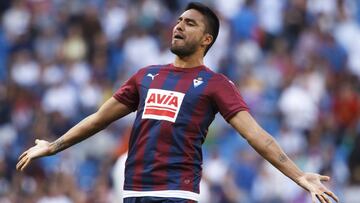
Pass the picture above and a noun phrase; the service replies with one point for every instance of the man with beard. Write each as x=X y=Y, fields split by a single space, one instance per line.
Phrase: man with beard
x=175 y=105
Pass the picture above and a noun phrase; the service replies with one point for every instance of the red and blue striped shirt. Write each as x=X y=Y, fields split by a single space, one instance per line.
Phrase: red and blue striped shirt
x=175 y=107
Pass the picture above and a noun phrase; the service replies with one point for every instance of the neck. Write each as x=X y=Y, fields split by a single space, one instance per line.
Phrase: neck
x=189 y=61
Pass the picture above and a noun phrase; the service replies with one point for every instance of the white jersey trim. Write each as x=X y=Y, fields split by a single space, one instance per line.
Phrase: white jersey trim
x=163 y=193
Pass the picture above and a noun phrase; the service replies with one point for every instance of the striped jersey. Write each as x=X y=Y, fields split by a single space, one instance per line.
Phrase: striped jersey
x=175 y=107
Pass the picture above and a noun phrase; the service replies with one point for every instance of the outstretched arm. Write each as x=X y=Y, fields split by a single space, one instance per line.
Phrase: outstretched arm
x=110 y=111
x=267 y=147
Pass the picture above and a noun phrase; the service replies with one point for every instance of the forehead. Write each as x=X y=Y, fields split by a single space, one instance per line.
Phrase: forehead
x=193 y=15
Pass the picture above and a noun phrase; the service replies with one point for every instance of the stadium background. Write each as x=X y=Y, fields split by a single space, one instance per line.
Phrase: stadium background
x=296 y=62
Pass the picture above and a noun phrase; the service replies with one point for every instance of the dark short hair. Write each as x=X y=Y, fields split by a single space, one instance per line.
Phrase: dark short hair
x=212 y=21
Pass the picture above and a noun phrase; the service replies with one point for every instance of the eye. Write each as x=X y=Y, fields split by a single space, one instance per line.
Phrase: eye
x=178 y=20
x=190 y=23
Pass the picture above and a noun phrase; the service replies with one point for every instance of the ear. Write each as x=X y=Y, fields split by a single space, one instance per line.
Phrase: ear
x=207 y=39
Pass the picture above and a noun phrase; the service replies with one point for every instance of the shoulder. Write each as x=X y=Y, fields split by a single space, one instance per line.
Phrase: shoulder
x=153 y=67
x=220 y=78
x=148 y=69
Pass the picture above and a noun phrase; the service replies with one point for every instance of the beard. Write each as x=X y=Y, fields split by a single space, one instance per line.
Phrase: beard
x=183 y=50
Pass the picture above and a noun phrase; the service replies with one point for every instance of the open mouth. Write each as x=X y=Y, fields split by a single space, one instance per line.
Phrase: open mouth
x=178 y=36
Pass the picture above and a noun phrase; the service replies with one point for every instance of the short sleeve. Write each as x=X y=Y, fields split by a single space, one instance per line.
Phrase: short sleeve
x=227 y=98
x=128 y=93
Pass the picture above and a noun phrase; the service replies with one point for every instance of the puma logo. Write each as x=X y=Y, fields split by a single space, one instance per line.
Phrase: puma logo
x=152 y=76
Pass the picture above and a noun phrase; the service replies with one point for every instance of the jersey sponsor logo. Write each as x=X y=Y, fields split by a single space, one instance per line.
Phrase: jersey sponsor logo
x=152 y=76
x=162 y=104
x=198 y=81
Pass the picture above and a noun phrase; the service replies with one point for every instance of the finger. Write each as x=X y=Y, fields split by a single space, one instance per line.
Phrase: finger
x=37 y=141
x=22 y=155
x=25 y=164
x=324 y=178
x=332 y=195
x=323 y=195
x=321 y=198
x=18 y=166
x=20 y=163
x=313 y=198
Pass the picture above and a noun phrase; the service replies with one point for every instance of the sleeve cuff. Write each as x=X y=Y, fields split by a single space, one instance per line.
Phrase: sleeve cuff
x=125 y=102
x=231 y=114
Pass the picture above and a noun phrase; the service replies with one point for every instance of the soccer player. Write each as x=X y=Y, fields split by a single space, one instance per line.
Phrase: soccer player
x=175 y=105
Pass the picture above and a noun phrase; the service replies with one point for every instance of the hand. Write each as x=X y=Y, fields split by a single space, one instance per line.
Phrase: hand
x=42 y=148
x=312 y=183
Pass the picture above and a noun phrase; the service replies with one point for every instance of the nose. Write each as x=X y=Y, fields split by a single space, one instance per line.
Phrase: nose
x=180 y=26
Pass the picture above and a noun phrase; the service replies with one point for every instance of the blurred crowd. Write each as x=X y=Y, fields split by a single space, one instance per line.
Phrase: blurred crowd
x=296 y=63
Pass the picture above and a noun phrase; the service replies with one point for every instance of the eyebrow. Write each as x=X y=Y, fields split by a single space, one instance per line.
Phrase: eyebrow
x=188 y=20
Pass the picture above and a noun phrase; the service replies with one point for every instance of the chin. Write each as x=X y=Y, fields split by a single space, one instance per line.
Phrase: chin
x=182 y=50
x=177 y=51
